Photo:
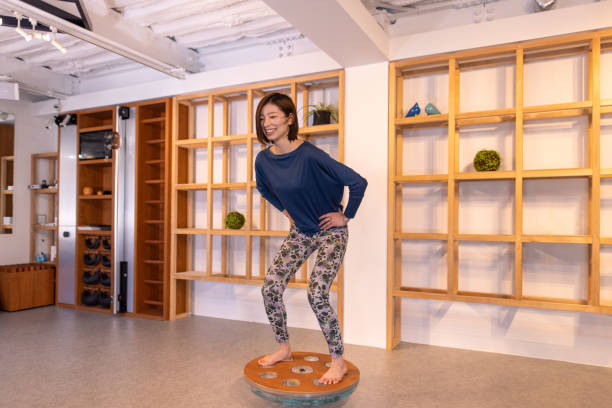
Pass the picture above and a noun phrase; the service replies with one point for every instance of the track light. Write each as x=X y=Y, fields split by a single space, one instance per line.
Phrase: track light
x=20 y=30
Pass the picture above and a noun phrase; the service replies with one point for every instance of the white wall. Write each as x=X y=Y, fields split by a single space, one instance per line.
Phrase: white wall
x=30 y=137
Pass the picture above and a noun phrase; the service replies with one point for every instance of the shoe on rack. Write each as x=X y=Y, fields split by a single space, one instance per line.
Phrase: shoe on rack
x=105 y=279
x=91 y=279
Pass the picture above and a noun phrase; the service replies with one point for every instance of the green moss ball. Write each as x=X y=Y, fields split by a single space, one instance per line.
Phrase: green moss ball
x=487 y=160
x=234 y=220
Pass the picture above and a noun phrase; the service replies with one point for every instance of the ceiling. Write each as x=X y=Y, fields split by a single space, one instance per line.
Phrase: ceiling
x=181 y=37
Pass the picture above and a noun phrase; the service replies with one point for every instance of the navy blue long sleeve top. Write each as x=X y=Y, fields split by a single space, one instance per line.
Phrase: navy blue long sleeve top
x=307 y=183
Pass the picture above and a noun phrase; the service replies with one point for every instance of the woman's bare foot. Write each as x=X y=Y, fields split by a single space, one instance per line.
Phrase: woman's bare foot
x=283 y=353
x=335 y=373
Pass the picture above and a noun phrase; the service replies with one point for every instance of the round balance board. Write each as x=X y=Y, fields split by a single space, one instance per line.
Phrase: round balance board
x=295 y=382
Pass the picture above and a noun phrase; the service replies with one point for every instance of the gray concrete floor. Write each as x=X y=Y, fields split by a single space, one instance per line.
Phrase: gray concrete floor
x=57 y=357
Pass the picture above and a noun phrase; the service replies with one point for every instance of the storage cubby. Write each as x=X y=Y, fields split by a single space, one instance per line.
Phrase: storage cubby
x=214 y=149
x=533 y=233
x=95 y=217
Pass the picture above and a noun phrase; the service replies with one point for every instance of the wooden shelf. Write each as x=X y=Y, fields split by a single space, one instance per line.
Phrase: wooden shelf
x=156 y=162
x=153 y=302
x=319 y=130
x=155 y=141
x=153 y=282
x=486 y=175
x=159 y=119
x=436 y=236
x=559 y=239
x=96 y=197
x=96 y=128
x=419 y=179
x=158 y=181
x=44 y=227
x=93 y=232
x=96 y=162
x=45 y=191
x=557 y=173
x=439 y=120
x=7 y=192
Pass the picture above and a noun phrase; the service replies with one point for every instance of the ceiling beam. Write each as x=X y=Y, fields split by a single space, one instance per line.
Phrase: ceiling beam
x=344 y=29
x=37 y=79
x=111 y=32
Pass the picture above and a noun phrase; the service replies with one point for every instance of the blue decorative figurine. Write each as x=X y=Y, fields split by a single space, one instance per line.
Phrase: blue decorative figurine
x=414 y=111
x=430 y=109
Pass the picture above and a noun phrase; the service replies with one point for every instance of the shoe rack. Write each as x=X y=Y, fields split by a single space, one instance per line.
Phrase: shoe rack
x=95 y=218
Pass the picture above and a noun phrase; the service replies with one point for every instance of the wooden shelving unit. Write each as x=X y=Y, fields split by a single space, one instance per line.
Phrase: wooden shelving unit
x=152 y=229
x=95 y=248
x=214 y=146
x=44 y=202
x=447 y=72
x=6 y=195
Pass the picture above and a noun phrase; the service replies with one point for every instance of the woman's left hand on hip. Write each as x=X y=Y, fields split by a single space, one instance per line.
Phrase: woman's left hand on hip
x=333 y=219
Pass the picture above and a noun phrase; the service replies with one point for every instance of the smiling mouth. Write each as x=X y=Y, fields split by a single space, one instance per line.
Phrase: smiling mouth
x=270 y=131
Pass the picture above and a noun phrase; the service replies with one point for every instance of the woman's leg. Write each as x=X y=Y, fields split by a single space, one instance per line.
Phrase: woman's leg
x=294 y=250
x=332 y=245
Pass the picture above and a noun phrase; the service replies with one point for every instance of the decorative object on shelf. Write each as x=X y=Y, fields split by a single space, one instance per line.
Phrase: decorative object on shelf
x=91 y=279
x=106 y=244
x=41 y=257
x=44 y=184
x=234 y=220
x=105 y=279
x=90 y=260
x=87 y=190
x=32 y=187
x=414 y=111
x=105 y=300
x=430 y=109
x=90 y=298
x=92 y=242
x=545 y=4
x=487 y=160
x=7 y=220
x=106 y=261
x=41 y=219
x=99 y=192
x=323 y=114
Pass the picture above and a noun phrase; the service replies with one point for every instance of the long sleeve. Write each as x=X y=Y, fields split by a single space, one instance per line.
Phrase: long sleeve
x=347 y=177
x=264 y=190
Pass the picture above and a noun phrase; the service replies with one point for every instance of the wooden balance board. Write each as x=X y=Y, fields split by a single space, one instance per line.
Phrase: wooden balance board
x=295 y=382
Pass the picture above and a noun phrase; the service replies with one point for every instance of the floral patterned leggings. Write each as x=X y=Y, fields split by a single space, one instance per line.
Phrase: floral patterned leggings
x=294 y=251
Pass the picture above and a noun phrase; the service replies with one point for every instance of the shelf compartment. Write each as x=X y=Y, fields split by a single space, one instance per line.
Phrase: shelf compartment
x=44 y=227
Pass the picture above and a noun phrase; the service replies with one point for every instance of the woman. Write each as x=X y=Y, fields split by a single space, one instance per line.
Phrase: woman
x=306 y=185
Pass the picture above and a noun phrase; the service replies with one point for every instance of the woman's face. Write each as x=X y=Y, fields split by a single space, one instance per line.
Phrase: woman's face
x=275 y=123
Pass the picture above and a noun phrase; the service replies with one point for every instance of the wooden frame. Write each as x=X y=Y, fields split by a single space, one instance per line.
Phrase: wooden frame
x=184 y=143
x=6 y=196
x=587 y=44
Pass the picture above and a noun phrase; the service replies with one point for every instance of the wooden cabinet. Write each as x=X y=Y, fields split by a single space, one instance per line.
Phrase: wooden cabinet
x=151 y=257
x=95 y=217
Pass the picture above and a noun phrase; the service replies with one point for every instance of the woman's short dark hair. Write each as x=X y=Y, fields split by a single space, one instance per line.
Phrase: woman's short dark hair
x=285 y=104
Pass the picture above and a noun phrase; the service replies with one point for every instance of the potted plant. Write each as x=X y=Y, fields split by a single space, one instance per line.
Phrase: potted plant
x=323 y=114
